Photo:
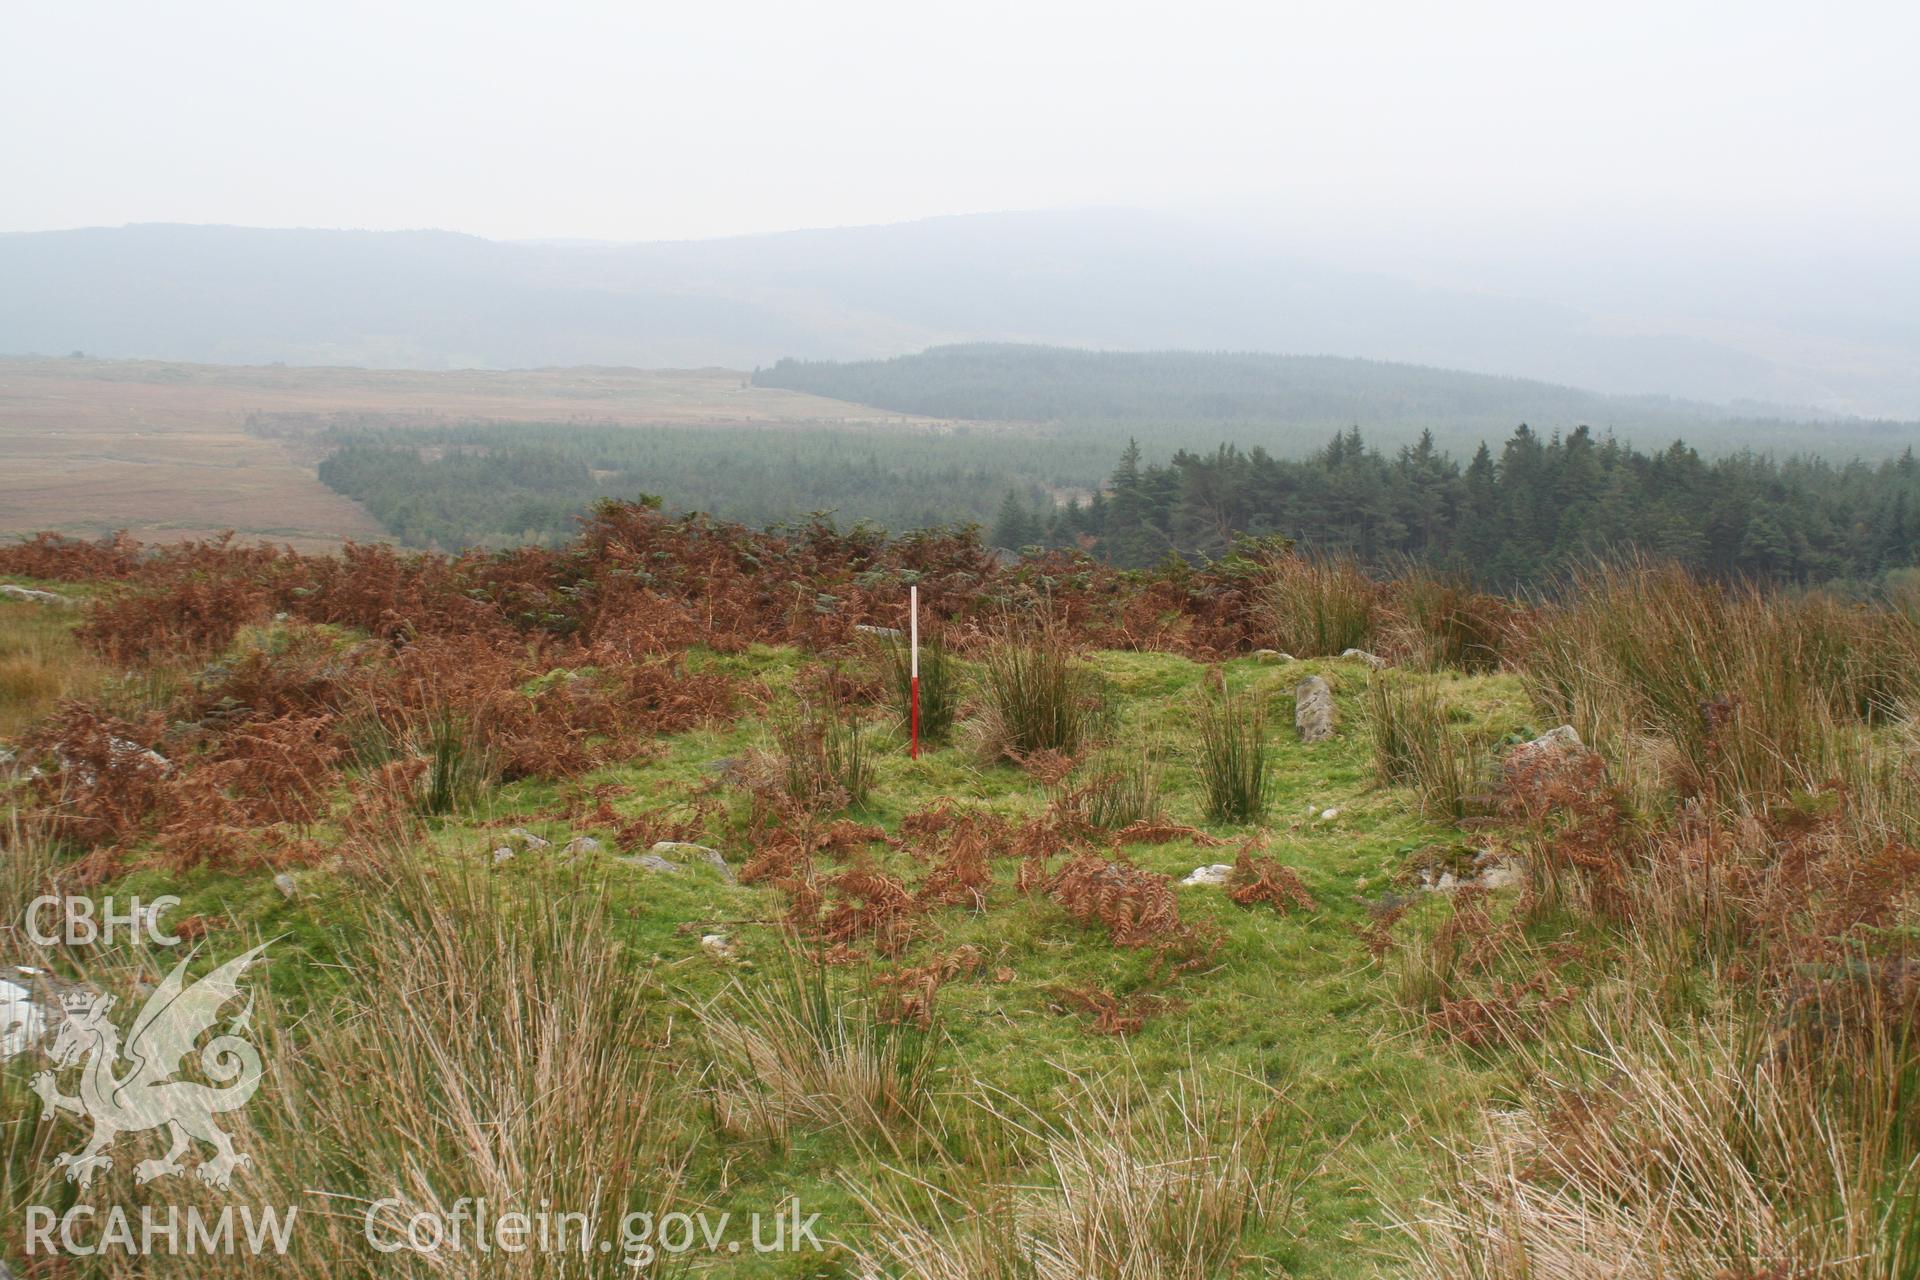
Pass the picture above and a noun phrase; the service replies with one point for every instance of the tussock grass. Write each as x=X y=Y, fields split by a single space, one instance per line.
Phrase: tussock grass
x=1735 y=1095
x=824 y=758
x=1233 y=755
x=459 y=764
x=1120 y=788
x=796 y=1047
x=1755 y=692
x=1317 y=607
x=1648 y=1150
x=1039 y=696
x=470 y=1045
x=490 y=1047
x=1449 y=625
x=1132 y=1183
x=1417 y=741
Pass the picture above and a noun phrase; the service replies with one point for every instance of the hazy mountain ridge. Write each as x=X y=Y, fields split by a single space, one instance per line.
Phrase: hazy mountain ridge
x=1109 y=279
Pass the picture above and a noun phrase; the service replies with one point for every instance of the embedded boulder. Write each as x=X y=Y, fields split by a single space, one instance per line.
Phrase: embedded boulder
x=1313 y=713
x=30 y=596
x=694 y=853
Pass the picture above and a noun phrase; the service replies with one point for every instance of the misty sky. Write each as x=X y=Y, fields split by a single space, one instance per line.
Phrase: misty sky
x=644 y=121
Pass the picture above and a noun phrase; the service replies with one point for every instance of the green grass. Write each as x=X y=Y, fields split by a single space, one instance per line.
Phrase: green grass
x=1290 y=1003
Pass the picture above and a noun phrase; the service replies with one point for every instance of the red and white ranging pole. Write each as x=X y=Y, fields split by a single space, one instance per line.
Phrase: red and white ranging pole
x=913 y=667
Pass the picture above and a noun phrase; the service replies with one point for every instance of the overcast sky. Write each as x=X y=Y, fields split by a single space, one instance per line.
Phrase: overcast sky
x=654 y=120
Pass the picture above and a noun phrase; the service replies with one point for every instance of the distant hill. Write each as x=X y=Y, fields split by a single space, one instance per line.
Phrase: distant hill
x=1092 y=279
x=1014 y=381
x=1287 y=403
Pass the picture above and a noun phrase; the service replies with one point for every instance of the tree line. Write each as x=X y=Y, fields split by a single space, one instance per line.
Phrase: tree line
x=504 y=484
x=1514 y=515
x=1523 y=515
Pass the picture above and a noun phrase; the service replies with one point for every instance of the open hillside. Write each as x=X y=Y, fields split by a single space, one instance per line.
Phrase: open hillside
x=1264 y=918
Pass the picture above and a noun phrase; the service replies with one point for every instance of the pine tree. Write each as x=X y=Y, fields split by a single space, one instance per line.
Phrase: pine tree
x=1015 y=527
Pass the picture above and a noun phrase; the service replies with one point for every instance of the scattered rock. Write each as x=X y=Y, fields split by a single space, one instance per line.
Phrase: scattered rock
x=1329 y=814
x=1565 y=738
x=123 y=753
x=1488 y=870
x=1502 y=873
x=1272 y=657
x=527 y=840
x=695 y=852
x=123 y=749
x=1216 y=874
x=31 y=596
x=581 y=845
x=284 y=883
x=502 y=854
x=717 y=946
x=1373 y=660
x=885 y=633
x=1313 y=709
x=652 y=862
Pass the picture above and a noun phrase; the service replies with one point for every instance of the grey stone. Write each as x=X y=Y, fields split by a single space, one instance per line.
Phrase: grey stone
x=695 y=852
x=1504 y=873
x=31 y=596
x=1373 y=660
x=1491 y=870
x=1313 y=713
x=1566 y=737
x=502 y=854
x=885 y=633
x=1216 y=874
x=582 y=844
x=124 y=751
x=284 y=883
x=717 y=946
x=527 y=840
x=652 y=862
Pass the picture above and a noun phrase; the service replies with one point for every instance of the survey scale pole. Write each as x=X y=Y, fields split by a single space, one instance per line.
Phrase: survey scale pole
x=913 y=665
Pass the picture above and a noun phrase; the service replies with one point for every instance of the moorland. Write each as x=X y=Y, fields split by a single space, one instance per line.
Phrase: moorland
x=1581 y=945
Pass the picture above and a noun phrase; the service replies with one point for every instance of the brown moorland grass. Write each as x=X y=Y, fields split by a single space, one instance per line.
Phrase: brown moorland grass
x=176 y=451
x=41 y=663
